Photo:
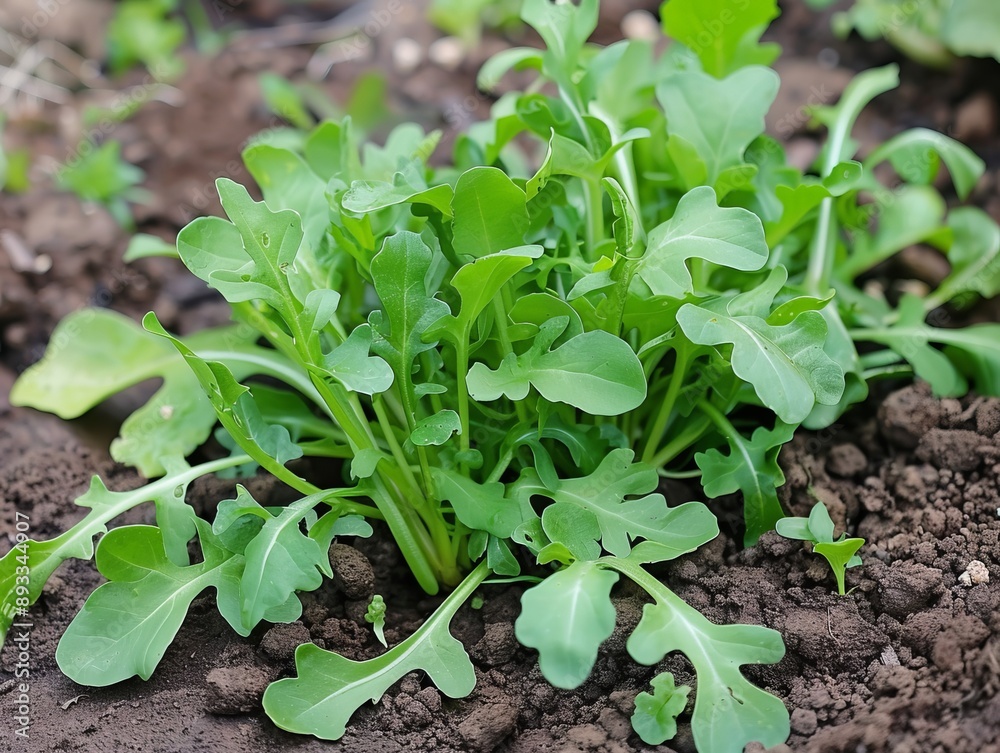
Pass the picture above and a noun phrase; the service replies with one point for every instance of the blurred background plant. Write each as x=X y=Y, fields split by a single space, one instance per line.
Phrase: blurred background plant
x=932 y=32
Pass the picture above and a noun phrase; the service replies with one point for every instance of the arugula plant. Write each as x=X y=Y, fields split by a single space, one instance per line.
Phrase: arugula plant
x=840 y=553
x=932 y=32
x=151 y=33
x=102 y=175
x=617 y=278
x=466 y=19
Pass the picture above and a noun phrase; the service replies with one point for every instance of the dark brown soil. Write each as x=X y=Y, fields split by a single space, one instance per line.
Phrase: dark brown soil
x=907 y=662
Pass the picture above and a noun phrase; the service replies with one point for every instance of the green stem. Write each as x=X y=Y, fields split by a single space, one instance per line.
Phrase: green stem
x=395 y=448
x=680 y=474
x=411 y=537
x=619 y=294
x=348 y=507
x=861 y=91
x=655 y=435
x=691 y=434
x=461 y=370
x=500 y=467
x=718 y=418
x=500 y=306
x=651 y=585
x=595 y=216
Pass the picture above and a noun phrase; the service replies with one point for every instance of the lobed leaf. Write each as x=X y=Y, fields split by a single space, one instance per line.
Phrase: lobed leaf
x=751 y=467
x=596 y=372
x=655 y=716
x=729 y=711
x=787 y=366
x=329 y=688
x=700 y=229
x=717 y=119
x=127 y=625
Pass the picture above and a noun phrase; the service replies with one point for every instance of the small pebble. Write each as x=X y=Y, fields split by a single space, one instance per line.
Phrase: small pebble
x=976 y=118
x=828 y=57
x=975 y=574
x=640 y=24
x=407 y=54
x=447 y=52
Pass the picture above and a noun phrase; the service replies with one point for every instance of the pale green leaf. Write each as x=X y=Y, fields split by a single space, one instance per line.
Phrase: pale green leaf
x=567 y=645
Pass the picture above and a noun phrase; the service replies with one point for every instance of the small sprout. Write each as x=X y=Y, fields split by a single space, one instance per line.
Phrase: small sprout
x=376 y=617
x=655 y=716
x=477 y=602
x=818 y=528
x=101 y=175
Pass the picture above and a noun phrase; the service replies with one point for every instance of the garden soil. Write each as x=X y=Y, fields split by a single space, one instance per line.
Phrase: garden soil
x=907 y=662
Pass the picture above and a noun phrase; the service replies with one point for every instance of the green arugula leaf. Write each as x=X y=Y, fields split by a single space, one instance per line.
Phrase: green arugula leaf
x=655 y=716
x=913 y=214
x=787 y=366
x=723 y=34
x=565 y=27
x=478 y=283
x=375 y=616
x=287 y=182
x=974 y=256
x=597 y=506
x=751 y=467
x=595 y=372
x=482 y=507
x=969 y=28
x=101 y=175
x=841 y=553
x=42 y=558
x=144 y=31
x=248 y=258
x=351 y=364
x=514 y=58
x=567 y=646
x=973 y=351
x=716 y=119
x=330 y=150
x=284 y=99
x=917 y=154
x=127 y=625
x=78 y=372
x=436 y=429
x=729 y=711
x=491 y=212
x=400 y=270
x=370 y=196
x=700 y=229
x=144 y=246
x=268 y=444
x=280 y=559
x=330 y=688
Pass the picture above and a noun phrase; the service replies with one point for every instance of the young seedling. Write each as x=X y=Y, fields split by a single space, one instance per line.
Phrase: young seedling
x=817 y=529
x=102 y=175
x=375 y=616
x=655 y=715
